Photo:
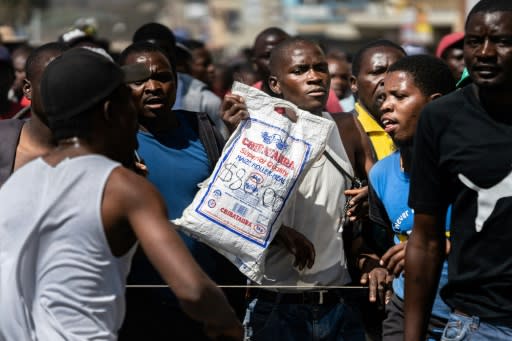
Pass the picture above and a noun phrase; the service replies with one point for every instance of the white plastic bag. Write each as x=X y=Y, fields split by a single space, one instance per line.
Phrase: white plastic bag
x=238 y=209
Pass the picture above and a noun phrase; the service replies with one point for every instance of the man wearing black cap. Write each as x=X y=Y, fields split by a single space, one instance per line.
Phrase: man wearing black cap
x=64 y=264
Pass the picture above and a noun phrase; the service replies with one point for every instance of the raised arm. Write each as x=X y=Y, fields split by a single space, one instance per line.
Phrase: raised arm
x=144 y=210
x=423 y=262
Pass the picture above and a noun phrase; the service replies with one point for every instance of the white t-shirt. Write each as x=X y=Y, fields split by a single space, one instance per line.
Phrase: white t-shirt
x=315 y=211
x=58 y=277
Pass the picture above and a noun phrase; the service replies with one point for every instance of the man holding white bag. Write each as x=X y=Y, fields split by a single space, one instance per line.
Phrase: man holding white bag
x=299 y=74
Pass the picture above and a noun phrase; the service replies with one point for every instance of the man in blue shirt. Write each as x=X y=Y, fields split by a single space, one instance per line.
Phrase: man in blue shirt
x=180 y=149
x=410 y=83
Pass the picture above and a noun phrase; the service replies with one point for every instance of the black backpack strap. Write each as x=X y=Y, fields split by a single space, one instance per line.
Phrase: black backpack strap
x=338 y=167
x=210 y=137
x=10 y=131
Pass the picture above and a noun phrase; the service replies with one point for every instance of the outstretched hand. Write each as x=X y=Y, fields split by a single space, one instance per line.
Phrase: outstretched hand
x=358 y=203
x=297 y=245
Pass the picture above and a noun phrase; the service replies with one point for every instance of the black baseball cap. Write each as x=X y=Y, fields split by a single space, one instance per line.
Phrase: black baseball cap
x=81 y=78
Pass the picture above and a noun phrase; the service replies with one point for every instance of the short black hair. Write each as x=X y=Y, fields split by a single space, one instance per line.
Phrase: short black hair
x=158 y=34
x=338 y=55
x=143 y=47
x=431 y=75
x=154 y=30
x=279 y=49
x=487 y=6
x=270 y=31
x=34 y=59
x=356 y=60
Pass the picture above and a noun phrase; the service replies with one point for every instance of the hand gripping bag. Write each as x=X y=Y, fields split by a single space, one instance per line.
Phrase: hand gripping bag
x=238 y=209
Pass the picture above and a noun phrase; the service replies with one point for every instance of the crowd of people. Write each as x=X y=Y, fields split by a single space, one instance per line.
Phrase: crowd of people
x=399 y=231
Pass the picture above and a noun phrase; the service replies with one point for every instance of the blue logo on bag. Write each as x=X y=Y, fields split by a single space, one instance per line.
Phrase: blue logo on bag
x=279 y=141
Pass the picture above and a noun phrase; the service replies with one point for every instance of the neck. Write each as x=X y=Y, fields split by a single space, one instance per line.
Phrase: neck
x=76 y=146
x=68 y=148
x=70 y=142
x=370 y=113
x=38 y=132
x=161 y=123
x=406 y=157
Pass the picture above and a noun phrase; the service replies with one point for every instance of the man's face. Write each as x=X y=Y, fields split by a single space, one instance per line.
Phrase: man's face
x=488 y=49
x=302 y=77
x=262 y=49
x=201 y=66
x=339 y=71
x=402 y=105
x=454 y=58
x=32 y=87
x=156 y=95
x=368 y=83
x=18 y=63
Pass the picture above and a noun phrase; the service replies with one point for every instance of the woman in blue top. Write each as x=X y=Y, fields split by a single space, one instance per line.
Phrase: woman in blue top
x=409 y=85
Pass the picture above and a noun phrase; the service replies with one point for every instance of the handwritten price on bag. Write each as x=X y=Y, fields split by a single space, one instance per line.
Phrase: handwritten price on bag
x=238 y=178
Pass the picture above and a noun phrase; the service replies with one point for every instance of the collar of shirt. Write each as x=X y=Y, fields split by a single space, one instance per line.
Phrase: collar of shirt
x=382 y=143
x=369 y=123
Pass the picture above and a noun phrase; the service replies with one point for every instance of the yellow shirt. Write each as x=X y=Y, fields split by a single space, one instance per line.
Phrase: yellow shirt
x=381 y=141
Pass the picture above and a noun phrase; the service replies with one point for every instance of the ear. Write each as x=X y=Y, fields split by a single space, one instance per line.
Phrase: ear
x=434 y=96
x=27 y=89
x=274 y=85
x=353 y=84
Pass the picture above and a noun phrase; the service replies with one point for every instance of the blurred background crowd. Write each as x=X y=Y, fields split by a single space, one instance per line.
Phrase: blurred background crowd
x=229 y=26
x=219 y=34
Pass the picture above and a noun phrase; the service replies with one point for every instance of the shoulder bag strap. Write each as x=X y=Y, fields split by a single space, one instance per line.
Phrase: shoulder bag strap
x=339 y=168
x=208 y=137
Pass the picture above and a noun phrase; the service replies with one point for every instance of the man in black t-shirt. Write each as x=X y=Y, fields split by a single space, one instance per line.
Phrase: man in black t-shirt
x=464 y=149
